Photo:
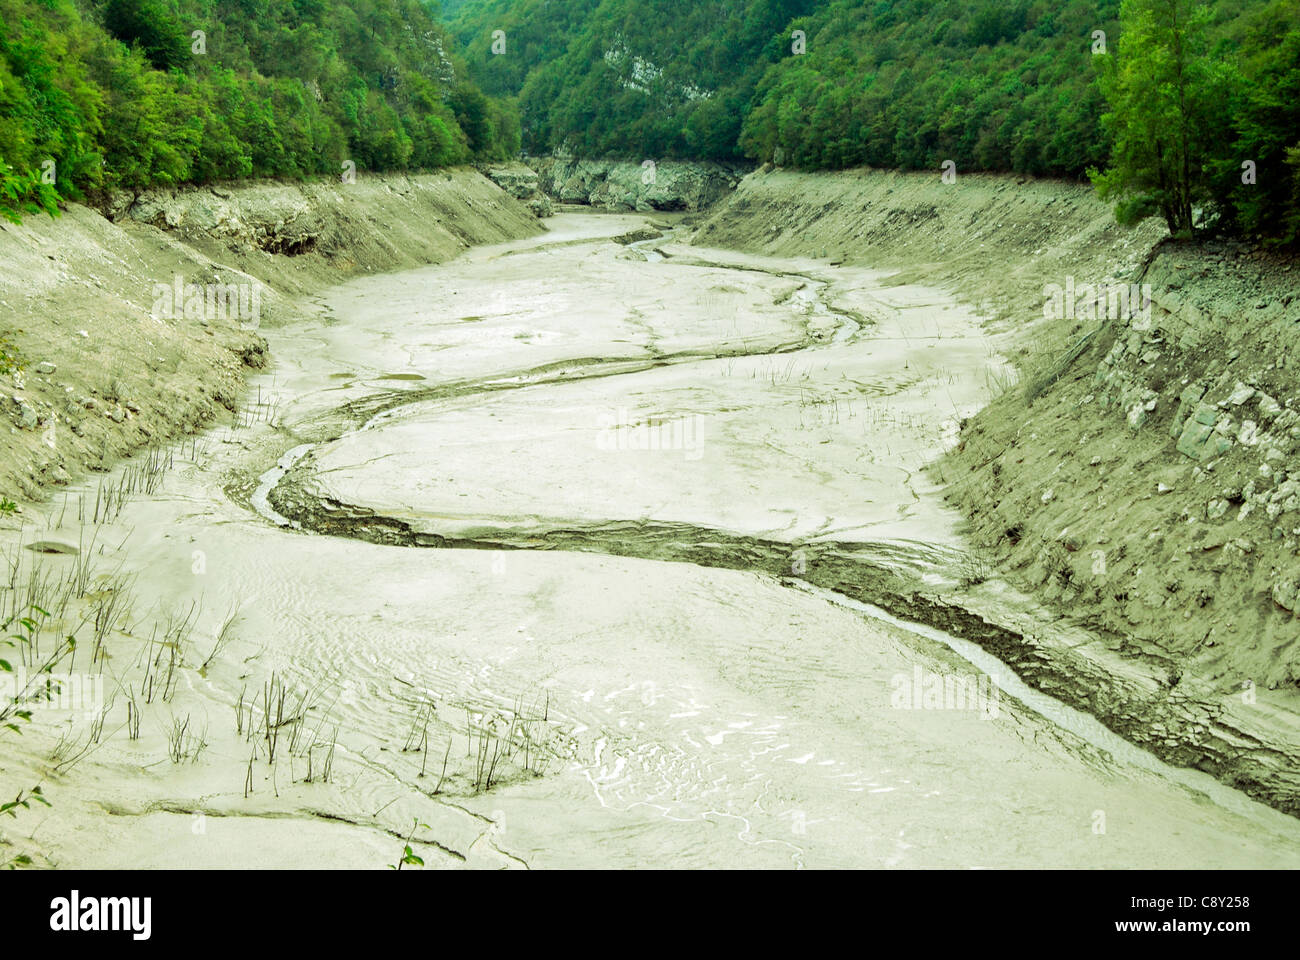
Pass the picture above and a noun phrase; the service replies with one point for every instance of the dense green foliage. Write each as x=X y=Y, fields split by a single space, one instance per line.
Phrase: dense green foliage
x=988 y=84
x=614 y=77
x=124 y=94
x=1162 y=91
x=1011 y=85
x=991 y=86
x=1206 y=138
x=1164 y=108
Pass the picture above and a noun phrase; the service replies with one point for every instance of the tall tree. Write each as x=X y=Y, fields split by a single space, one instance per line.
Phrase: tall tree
x=1161 y=92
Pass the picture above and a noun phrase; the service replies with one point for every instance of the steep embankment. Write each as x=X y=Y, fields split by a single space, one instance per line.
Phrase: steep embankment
x=1137 y=484
x=1153 y=490
x=136 y=327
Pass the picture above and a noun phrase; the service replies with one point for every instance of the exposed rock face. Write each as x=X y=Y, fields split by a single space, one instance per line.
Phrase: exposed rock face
x=625 y=185
x=517 y=179
x=277 y=223
x=520 y=181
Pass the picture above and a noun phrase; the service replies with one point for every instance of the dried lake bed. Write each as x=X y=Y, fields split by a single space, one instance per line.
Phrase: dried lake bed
x=499 y=558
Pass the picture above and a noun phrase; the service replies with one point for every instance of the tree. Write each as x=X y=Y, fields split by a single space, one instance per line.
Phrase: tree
x=149 y=25
x=1161 y=95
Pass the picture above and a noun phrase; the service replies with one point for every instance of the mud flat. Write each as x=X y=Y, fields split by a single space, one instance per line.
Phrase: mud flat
x=577 y=517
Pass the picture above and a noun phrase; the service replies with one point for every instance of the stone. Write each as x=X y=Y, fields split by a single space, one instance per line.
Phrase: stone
x=1196 y=440
x=45 y=367
x=54 y=547
x=1240 y=394
x=26 y=414
x=1187 y=403
x=1193 y=441
x=516 y=179
x=1285 y=593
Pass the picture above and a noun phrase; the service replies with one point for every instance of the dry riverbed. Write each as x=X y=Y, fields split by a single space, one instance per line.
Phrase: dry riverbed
x=527 y=585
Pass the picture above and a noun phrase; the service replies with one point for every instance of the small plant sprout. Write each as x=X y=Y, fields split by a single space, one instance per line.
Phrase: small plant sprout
x=409 y=859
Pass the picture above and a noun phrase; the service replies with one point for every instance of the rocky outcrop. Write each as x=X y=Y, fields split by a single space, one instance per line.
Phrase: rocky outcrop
x=521 y=182
x=645 y=186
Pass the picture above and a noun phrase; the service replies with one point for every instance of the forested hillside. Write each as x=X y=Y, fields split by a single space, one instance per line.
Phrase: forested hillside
x=97 y=94
x=658 y=78
x=1185 y=108
x=1030 y=86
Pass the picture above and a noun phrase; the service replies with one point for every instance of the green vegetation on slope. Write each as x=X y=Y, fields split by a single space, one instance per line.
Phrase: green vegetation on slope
x=661 y=78
x=990 y=86
x=1162 y=100
x=1215 y=131
x=1045 y=87
x=100 y=94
